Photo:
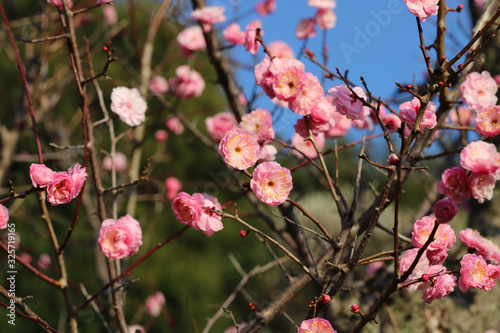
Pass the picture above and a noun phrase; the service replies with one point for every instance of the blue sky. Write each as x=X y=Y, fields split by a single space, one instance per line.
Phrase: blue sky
x=374 y=39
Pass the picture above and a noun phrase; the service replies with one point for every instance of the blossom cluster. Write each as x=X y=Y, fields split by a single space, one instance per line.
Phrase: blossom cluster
x=431 y=262
x=479 y=93
x=62 y=186
x=241 y=150
x=479 y=269
x=482 y=160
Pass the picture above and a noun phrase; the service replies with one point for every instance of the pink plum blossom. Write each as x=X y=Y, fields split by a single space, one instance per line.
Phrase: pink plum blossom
x=161 y=135
x=158 y=85
x=316 y=127
x=129 y=105
x=422 y=267
x=155 y=303
x=408 y=113
x=309 y=97
x=174 y=125
x=271 y=183
x=322 y=4
x=454 y=184
x=422 y=9
x=316 y=325
x=120 y=162
x=219 y=124
x=187 y=84
x=190 y=40
x=265 y=7
x=280 y=49
x=365 y=123
x=266 y=71
x=65 y=186
x=268 y=153
x=306 y=28
x=482 y=247
x=339 y=125
x=391 y=121
x=25 y=257
x=43 y=261
x=41 y=176
x=479 y=90
x=481 y=157
x=4 y=216
x=346 y=102
x=440 y=287
x=121 y=238
x=239 y=149
x=194 y=211
x=288 y=83
x=233 y=34
x=487 y=121
x=110 y=15
x=208 y=16
x=437 y=257
x=444 y=238
x=251 y=44
x=187 y=208
x=325 y=18
x=323 y=110
x=445 y=210
x=209 y=222
x=482 y=186
x=79 y=176
x=461 y=115
x=259 y=122
x=173 y=186
x=476 y=273
x=306 y=147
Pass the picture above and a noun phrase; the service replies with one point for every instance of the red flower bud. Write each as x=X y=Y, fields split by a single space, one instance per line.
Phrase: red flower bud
x=426 y=277
x=355 y=308
x=325 y=299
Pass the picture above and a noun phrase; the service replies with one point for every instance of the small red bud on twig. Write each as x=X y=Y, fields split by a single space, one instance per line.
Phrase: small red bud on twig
x=325 y=299
x=309 y=53
x=408 y=86
x=460 y=66
x=393 y=159
x=355 y=308
x=105 y=48
x=426 y=277
x=460 y=7
x=243 y=233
